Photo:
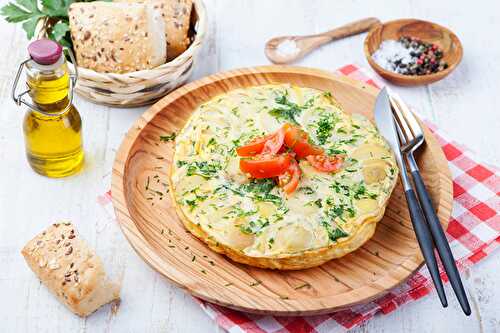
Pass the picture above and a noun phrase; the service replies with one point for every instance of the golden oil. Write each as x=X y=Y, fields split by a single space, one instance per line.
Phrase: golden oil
x=53 y=138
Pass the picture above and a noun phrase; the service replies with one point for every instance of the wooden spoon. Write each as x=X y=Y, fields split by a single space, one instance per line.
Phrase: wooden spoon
x=299 y=46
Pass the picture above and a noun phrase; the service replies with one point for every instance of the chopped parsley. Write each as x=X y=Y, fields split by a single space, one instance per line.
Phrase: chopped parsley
x=318 y=203
x=237 y=211
x=335 y=151
x=254 y=227
x=257 y=189
x=167 y=138
x=287 y=110
x=205 y=169
x=324 y=127
x=180 y=164
x=306 y=190
x=333 y=234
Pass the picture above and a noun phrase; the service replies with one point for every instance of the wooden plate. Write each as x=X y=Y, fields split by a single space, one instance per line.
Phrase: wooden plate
x=150 y=223
x=424 y=30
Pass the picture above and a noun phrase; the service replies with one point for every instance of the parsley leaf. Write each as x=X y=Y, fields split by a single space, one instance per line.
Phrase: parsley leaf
x=205 y=169
x=333 y=234
x=287 y=110
x=324 y=128
x=167 y=138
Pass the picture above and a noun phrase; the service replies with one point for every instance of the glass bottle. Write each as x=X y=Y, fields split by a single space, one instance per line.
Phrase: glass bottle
x=52 y=125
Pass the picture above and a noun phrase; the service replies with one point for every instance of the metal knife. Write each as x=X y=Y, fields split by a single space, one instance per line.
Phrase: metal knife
x=387 y=127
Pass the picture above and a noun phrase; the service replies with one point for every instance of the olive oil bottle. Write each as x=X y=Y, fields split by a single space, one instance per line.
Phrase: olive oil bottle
x=52 y=125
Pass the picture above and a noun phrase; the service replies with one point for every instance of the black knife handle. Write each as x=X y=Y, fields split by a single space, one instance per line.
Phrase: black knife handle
x=425 y=241
x=441 y=242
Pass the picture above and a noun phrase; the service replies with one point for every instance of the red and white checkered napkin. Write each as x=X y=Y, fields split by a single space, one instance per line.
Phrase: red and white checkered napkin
x=473 y=233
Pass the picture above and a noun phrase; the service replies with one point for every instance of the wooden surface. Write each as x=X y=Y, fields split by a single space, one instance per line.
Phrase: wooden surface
x=464 y=104
x=426 y=31
x=160 y=238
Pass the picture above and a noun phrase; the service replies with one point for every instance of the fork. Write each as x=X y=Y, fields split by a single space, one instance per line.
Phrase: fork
x=412 y=137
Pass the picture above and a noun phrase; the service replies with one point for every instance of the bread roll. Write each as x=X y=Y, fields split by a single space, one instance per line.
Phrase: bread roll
x=177 y=15
x=70 y=269
x=117 y=37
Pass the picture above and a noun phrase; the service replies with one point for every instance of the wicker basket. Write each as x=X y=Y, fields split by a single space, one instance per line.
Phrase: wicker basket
x=146 y=86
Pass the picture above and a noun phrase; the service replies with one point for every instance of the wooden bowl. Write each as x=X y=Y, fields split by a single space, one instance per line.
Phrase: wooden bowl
x=426 y=31
x=148 y=219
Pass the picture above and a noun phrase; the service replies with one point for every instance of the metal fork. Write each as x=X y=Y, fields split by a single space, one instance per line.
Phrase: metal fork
x=412 y=137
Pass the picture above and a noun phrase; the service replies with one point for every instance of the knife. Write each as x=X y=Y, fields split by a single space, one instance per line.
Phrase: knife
x=386 y=126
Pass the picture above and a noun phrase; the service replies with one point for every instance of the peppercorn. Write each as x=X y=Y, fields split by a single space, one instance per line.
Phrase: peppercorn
x=427 y=57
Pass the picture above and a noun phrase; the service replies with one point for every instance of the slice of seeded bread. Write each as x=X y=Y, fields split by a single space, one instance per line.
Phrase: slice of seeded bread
x=177 y=17
x=70 y=269
x=117 y=37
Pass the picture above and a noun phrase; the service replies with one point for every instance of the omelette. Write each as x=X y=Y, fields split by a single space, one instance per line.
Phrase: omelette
x=303 y=209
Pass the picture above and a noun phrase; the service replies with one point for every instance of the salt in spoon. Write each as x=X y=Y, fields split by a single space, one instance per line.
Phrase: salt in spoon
x=286 y=49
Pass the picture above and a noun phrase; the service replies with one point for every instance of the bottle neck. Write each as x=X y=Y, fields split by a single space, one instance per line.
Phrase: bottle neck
x=49 y=85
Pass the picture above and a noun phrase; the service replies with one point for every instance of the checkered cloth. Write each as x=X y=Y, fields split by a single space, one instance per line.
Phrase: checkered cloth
x=473 y=233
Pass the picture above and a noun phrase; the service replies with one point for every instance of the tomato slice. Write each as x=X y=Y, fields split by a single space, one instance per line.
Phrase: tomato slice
x=275 y=142
x=290 y=179
x=269 y=144
x=254 y=147
x=266 y=166
x=298 y=141
x=325 y=163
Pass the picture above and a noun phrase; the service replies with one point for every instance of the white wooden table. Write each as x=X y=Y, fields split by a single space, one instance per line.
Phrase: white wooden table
x=465 y=104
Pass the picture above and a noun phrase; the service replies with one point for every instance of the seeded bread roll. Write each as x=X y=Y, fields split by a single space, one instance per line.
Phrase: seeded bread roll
x=70 y=269
x=177 y=15
x=117 y=37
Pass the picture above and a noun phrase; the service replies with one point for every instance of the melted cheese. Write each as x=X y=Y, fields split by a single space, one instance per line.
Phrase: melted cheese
x=256 y=217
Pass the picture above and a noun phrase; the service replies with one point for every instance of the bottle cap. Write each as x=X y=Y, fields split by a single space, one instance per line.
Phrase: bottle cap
x=45 y=51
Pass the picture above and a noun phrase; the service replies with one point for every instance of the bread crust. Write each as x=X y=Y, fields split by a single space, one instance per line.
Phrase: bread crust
x=177 y=17
x=70 y=269
x=117 y=37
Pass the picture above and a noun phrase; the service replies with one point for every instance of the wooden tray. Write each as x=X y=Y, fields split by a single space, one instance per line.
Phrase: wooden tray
x=151 y=225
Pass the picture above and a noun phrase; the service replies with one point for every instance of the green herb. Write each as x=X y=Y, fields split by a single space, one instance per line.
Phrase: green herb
x=350 y=141
x=167 y=138
x=193 y=201
x=181 y=163
x=306 y=190
x=254 y=227
x=205 y=169
x=30 y=12
x=333 y=234
x=237 y=211
x=212 y=142
x=318 y=203
x=287 y=110
x=334 y=151
x=235 y=111
x=260 y=190
x=303 y=286
x=324 y=127
x=270 y=242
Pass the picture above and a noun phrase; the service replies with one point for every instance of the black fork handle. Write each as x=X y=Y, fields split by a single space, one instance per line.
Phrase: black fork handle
x=441 y=242
x=425 y=242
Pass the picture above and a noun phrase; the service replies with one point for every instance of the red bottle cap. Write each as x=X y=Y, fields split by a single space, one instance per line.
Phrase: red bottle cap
x=45 y=51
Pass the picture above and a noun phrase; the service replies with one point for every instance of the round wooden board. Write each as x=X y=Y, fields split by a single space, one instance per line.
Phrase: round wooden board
x=150 y=223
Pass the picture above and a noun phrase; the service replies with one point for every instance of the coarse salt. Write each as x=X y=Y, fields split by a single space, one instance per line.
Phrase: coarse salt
x=390 y=52
x=287 y=47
